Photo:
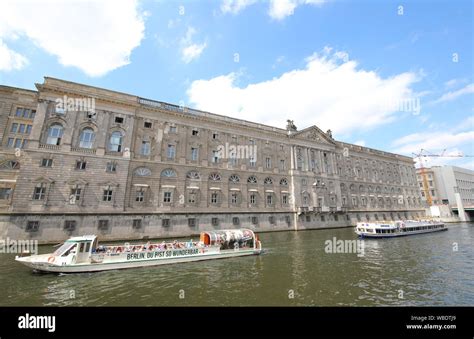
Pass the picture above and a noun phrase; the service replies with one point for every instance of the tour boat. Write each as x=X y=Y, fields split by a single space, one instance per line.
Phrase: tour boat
x=397 y=228
x=83 y=253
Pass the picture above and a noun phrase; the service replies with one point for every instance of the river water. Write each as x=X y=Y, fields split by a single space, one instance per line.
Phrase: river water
x=295 y=270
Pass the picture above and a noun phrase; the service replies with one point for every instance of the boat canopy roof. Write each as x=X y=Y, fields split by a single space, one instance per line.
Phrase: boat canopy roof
x=82 y=238
x=221 y=236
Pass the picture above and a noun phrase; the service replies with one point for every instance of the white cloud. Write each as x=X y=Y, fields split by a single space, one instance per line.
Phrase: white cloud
x=189 y=49
x=433 y=141
x=454 y=95
x=328 y=92
x=454 y=82
x=360 y=143
x=94 y=36
x=11 y=60
x=235 y=6
x=280 y=9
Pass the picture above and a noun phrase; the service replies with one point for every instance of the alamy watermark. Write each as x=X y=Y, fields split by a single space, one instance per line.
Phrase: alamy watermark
x=345 y=246
x=68 y=104
x=412 y=105
x=18 y=246
x=231 y=151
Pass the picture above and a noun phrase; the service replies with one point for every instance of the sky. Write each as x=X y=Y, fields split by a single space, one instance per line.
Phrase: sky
x=390 y=75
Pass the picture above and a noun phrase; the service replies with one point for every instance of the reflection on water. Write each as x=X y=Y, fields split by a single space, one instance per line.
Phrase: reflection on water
x=415 y=270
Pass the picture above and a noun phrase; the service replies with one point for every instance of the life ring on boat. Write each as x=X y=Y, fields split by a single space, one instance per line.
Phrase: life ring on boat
x=51 y=259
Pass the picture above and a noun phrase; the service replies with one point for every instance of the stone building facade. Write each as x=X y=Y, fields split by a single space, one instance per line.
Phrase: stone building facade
x=126 y=167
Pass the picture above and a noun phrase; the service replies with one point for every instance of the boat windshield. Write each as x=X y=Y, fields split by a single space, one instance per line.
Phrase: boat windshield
x=64 y=247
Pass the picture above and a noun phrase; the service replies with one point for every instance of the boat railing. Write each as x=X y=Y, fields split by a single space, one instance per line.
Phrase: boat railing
x=136 y=248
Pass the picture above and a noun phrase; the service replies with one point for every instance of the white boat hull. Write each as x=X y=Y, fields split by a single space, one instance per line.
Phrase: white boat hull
x=400 y=234
x=45 y=266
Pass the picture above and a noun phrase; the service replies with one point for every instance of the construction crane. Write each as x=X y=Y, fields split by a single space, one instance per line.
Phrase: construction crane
x=426 y=154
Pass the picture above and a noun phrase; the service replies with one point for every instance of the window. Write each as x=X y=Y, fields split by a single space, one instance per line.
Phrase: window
x=165 y=223
x=192 y=197
x=234 y=198
x=214 y=198
x=253 y=199
x=10 y=142
x=194 y=154
x=234 y=178
x=75 y=195
x=111 y=167
x=70 y=225
x=32 y=114
x=254 y=220
x=303 y=182
x=268 y=162
x=46 y=162
x=140 y=195
x=195 y=132
x=103 y=225
x=107 y=196
x=14 y=128
x=215 y=136
x=194 y=175
x=252 y=179
x=191 y=222
x=18 y=143
x=28 y=129
x=55 y=133
x=308 y=218
x=214 y=177
x=168 y=173
x=171 y=151
x=284 y=182
x=115 y=142
x=282 y=165
x=86 y=139
x=288 y=220
x=142 y=172
x=145 y=150
x=322 y=218
x=147 y=124
x=119 y=120
x=284 y=199
x=167 y=197
x=215 y=157
x=21 y=129
x=39 y=192
x=81 y=165
x=19 y=112
x=215 y=222
x=305 y=200
x=173 y=129
x=137 y=223
x=271 y=220
x=5 y=193
x=268 y=181
x=269 y=199
x=252 y=162
x=32 y=226
x=235 y=221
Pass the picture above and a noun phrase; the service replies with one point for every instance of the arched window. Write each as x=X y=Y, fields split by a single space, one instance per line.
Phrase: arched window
x=168 y=173
x=268 y=181
x=252 y=179
x=284 y=182
x=55 y=134
x=115 y=142
x=215 y=177
x=234 y=178
x=87 y=138
x=194 y=175
x=142 y=172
